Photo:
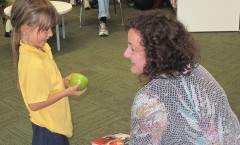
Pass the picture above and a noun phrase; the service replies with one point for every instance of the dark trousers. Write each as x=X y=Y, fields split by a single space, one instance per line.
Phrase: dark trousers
x=42 y=136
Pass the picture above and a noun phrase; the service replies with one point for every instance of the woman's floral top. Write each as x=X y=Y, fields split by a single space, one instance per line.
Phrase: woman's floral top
x=187 y=110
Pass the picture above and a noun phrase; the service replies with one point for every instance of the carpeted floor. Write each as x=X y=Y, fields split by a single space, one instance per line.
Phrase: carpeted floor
x=105 y=107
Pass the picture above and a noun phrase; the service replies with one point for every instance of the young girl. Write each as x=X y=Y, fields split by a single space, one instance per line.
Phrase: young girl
x=40 y=81
x=181 y=103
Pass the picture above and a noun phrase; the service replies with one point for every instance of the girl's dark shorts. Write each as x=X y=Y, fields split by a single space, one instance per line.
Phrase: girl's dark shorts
x=42 y=136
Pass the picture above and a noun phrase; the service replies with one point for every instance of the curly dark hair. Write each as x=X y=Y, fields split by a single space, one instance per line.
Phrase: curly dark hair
x=170 y=49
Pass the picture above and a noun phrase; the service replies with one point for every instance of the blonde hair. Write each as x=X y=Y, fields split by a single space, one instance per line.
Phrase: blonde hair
x=34 y=13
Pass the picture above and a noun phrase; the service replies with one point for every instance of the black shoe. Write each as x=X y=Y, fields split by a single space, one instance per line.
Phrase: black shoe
x=94 y=4
x=7 y=34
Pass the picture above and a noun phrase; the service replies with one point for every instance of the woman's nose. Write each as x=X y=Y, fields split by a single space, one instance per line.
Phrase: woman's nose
x=126 y=53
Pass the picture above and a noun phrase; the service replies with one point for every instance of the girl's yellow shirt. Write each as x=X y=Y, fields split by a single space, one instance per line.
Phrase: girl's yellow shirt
x=39 y=77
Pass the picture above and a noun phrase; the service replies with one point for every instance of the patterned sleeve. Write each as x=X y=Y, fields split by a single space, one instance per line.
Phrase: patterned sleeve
x=149 y=120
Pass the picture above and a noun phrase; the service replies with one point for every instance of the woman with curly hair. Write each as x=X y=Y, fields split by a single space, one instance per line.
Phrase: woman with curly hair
x=181 y=103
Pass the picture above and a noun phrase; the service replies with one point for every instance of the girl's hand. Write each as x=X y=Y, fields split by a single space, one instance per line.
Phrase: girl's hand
x=72 y=91
x=66 y=81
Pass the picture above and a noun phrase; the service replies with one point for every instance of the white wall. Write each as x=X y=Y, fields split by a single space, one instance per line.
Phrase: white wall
x=209 y=15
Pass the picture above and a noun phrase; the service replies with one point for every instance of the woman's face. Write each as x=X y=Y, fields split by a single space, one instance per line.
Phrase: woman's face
x=135 y=52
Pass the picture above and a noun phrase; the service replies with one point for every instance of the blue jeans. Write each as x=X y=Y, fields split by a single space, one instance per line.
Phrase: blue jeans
x=103 y=8
x=42 y=136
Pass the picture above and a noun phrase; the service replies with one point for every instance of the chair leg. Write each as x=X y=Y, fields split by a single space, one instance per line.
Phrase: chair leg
x=80 y=15
x=120 y=5
x=114 y=3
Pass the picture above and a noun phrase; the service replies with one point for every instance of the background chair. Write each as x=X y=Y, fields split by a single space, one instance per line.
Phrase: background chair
x=115 y=11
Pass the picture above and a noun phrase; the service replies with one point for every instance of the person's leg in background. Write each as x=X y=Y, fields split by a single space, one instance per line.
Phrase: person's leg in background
x=8 y=27
x=103 y=8
x=174 y=3
x=86 y=4
x=72 y=2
